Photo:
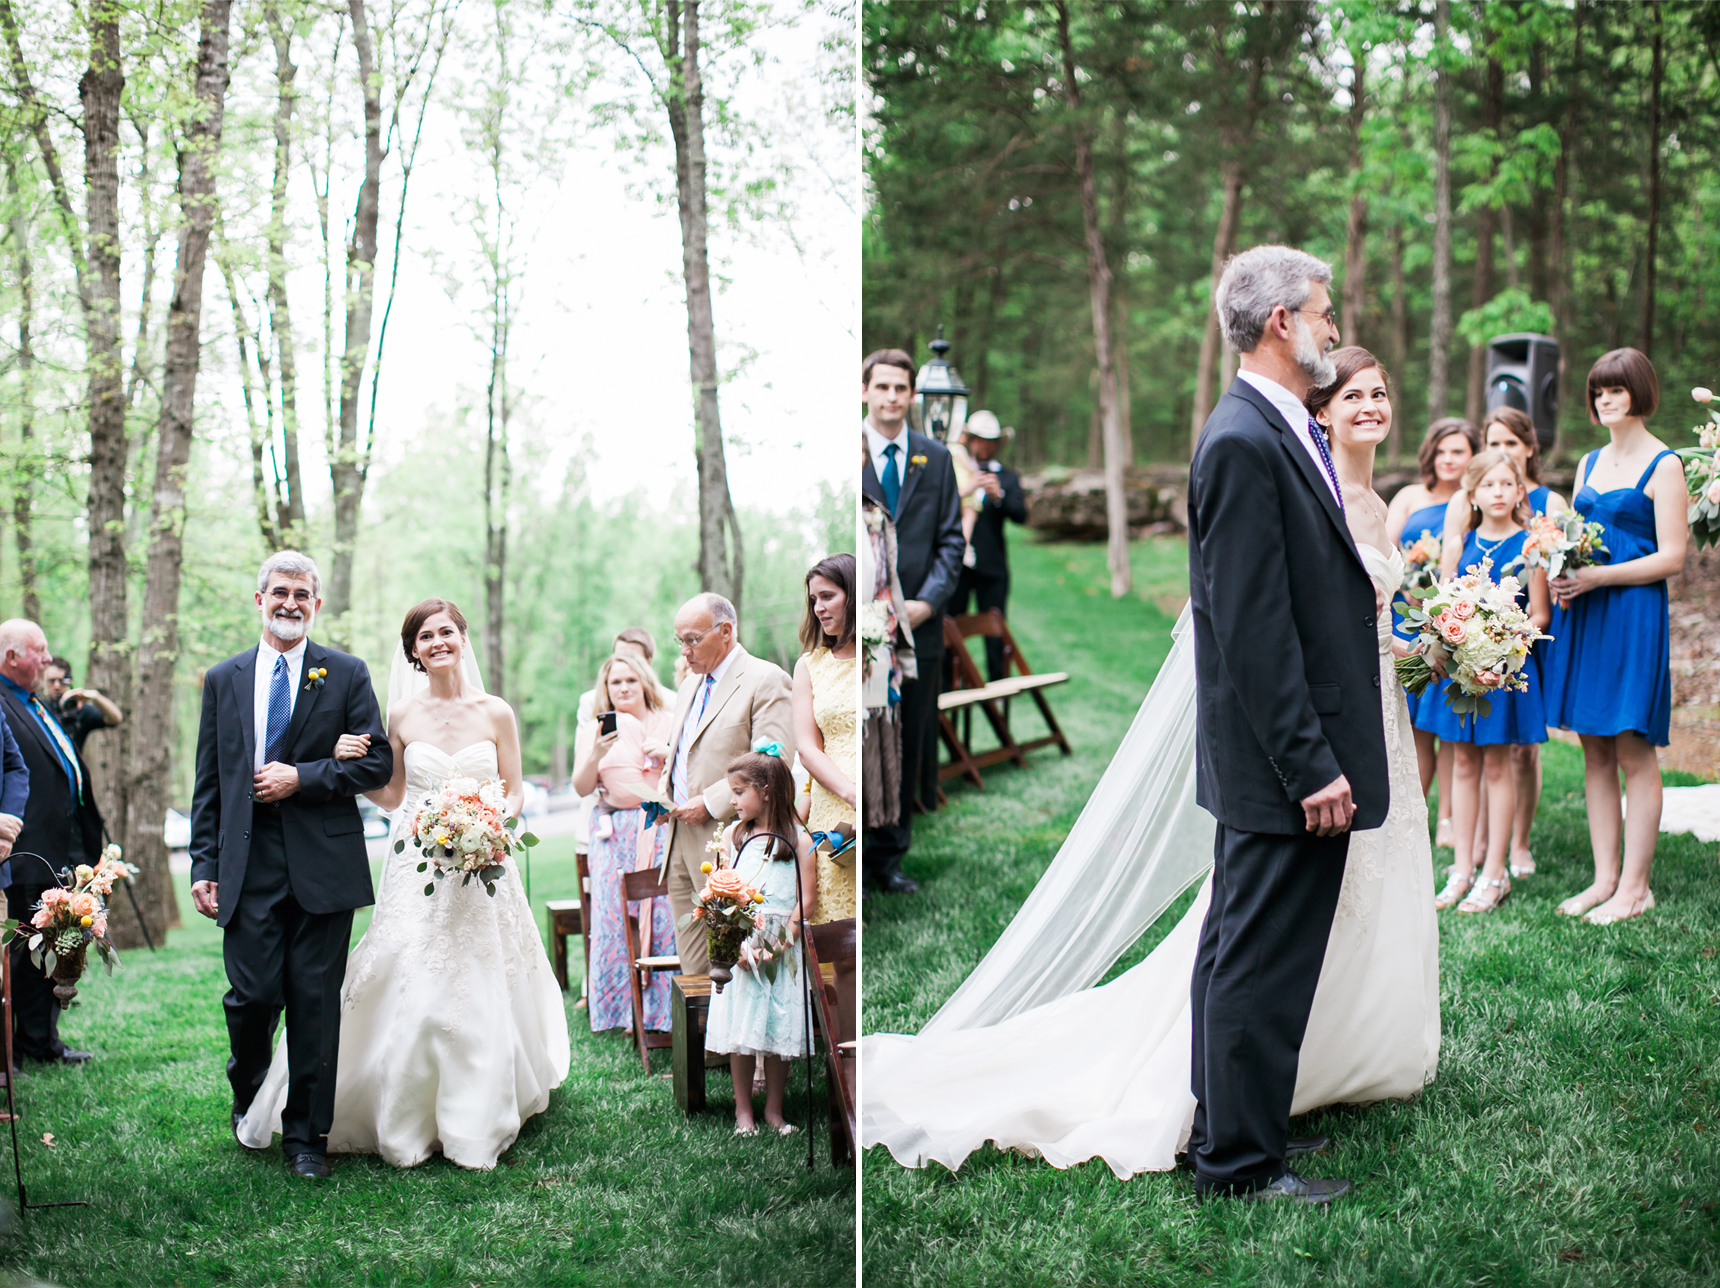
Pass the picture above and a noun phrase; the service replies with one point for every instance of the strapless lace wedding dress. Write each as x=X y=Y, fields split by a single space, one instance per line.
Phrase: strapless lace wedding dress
x=452 y=1026
x=1104 y=1072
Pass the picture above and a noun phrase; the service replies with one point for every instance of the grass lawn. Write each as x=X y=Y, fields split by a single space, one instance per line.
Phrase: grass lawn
x=1572 y=1136
x=611 y=1186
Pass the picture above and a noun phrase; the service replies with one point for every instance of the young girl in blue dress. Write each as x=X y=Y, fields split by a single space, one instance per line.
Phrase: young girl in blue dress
x=1419 y=510
x=1609 y=678
x=1505 y=429
x=754 y=1016
x=1498 y=500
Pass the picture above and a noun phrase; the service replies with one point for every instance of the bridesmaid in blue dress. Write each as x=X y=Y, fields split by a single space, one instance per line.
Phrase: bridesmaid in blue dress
x=1417 y=509
x=1610 y=678
x=1496 y=497
x=1505 y=429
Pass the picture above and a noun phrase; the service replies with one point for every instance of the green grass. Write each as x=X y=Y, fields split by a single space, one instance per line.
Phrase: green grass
x=1572 y=1136
x=611 y=1186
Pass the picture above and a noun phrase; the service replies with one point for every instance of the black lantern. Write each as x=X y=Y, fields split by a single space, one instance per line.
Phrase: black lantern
x=940 y=397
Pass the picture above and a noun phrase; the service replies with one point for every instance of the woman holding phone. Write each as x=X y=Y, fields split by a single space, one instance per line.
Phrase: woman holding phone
x=632 y=722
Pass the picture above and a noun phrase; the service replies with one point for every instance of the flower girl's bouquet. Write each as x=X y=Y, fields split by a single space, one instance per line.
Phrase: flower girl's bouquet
x=1702 y=476
x=728 y=906
x=461 y=831
x=1560 y=541
x=1476 y=625
x=1421 y=566
x=70 y=917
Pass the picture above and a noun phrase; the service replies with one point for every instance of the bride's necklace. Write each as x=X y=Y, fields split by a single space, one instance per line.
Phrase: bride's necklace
x=1366 y=496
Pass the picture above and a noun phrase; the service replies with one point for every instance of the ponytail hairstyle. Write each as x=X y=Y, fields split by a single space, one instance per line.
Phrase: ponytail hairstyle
x=767 y=773
x=1479 y=468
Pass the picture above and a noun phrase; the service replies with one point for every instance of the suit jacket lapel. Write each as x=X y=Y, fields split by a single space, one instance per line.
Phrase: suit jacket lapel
x=730 y=682
x=1310 y=471
x=245 y=694
x=314 y=654
x=27 y=718
x=869 y=483
x=910 y=474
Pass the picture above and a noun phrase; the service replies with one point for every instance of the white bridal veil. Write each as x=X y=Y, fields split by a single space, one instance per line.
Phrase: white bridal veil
x=407 y=681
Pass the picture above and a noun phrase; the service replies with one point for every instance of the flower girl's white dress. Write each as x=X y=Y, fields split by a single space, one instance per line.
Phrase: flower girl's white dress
x=452 y=1025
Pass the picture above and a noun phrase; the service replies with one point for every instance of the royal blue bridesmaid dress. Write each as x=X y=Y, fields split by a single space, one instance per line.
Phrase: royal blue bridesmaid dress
x=1428 y=519
x=1610 y=671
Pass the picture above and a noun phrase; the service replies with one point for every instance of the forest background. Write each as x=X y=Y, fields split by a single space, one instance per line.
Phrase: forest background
x=1469 y=169
x=453 y=294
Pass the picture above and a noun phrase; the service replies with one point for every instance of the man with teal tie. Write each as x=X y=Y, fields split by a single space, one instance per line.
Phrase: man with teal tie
x=62 y=828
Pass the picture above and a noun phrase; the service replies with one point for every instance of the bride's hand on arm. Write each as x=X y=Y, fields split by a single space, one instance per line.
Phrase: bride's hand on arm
x=508 y=757
x=350 y=746
x=388 y=796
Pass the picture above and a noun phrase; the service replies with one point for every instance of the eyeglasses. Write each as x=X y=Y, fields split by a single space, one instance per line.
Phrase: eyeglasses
x=690 y=642
x=1329 y=317
x=301 y=595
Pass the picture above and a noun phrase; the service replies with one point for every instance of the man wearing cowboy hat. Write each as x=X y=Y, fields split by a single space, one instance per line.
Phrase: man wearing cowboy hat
x=986 y=579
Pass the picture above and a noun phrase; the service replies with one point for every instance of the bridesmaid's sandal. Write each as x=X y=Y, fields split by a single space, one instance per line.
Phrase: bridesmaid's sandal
x=1579 y=904
x=1480 y=900
x=1524 y=869
x=1596 y=917
x=1456 y=886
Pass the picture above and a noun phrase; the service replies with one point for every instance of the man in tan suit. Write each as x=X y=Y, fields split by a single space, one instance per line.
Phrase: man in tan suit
x=729 y=700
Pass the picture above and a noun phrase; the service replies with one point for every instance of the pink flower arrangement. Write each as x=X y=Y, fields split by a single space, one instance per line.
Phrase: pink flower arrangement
x=466 y=824
x=72 y=916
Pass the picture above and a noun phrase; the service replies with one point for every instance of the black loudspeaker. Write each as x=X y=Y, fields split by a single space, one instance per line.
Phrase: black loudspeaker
x=1523 y=372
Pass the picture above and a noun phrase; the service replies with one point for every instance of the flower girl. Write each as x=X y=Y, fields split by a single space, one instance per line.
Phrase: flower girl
x=1498 y=521
x=762 y=1010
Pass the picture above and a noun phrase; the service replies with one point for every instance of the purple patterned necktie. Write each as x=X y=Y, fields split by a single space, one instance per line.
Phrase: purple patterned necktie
x=1319 y=436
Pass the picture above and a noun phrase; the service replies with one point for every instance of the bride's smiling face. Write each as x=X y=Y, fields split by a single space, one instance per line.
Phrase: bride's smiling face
x=1360 y=413
x=439 y=644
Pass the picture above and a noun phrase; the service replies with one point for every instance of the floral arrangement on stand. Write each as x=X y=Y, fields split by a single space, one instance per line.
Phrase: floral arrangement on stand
x=461 y=831
x=1475 y=625
x=726 y=904
x=1702 y=476
x=69 y=918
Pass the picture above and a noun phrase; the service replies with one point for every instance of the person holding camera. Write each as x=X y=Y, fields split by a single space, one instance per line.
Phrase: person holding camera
x=631 y=724
x=80 y=711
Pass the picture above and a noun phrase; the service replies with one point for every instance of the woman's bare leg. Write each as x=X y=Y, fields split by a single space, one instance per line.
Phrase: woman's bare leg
x=1526 y=772
x=1641 y=765
x=741 y=1070
x=1606 y=821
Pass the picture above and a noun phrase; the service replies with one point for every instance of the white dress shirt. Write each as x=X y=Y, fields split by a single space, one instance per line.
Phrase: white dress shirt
x=1295 y=414
x=876 y=443
x=679 y=788
x=265 y=668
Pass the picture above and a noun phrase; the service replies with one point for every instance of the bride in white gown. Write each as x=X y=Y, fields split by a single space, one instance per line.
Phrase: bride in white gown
x=1029 y=1055
x=452 y=1028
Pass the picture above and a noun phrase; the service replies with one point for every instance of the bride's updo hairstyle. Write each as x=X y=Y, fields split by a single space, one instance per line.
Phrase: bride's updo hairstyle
x=770 y=777
x=415 y=620
x=1350 y=362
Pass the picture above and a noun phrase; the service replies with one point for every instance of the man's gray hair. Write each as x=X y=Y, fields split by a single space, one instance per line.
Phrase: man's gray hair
x=1258 y=281
x=719 y=608
x=294 y=564
x=16 y=633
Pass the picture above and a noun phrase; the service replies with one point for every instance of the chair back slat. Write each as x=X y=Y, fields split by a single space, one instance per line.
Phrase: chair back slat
x=649 y=884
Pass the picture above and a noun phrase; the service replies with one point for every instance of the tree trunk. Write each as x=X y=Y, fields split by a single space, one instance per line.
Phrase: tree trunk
x=1119 y=287
x=346 y=460
x=1400 y=337
x=264 y=497
x=24 y=485
x=1646 y=330
x=1565 y=175
x=1223 y=242
x=720 y=563
x=1481 y=287
x=290 y=517
x=152 y=747
x=1099 y=292
x=146 y=301
x=1439 y=339
x=1356 y=232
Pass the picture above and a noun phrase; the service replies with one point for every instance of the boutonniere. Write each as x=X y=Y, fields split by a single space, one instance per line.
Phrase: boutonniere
x=914 y=462
x=314 y=678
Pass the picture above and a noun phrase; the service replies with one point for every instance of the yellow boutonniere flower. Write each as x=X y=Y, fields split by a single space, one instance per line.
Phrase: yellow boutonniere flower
x=916 y=460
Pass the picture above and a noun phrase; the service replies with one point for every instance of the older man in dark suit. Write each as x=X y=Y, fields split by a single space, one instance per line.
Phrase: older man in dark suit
x=914 y=478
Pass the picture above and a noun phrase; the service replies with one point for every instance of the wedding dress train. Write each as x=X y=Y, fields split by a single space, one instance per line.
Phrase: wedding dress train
x=452 y=1026
x=1028 y=1055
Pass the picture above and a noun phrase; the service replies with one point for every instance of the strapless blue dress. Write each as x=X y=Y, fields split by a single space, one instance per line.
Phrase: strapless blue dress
x=1428 y=519
x=1610 y=670
x=1517 y=717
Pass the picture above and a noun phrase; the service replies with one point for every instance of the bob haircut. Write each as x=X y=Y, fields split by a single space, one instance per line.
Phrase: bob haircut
x=1479 y=467
x=839 y=570
x=415 y=620
x=886 y=358
x=1520 y=427
x=1350 y=362
x=1631 y=369
x=1437 y=433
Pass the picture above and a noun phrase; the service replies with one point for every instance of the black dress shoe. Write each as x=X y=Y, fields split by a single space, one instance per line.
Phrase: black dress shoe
x=311 y=1166
x=1299 y=1189
x=1297 y=1146
x=69 y=1056
x=898 y=883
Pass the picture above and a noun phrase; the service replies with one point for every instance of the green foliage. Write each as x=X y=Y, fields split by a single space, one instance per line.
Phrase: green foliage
x=1510 y=310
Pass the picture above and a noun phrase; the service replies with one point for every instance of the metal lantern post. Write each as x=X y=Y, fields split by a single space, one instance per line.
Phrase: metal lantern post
x=940 y=397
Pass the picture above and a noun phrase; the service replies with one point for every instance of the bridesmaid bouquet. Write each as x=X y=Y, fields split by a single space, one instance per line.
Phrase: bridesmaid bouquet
x=1702 y=476
x=461 y=830
x=1560 y=541
x=1476 y=625
x=70 y=917
x=1421 y=566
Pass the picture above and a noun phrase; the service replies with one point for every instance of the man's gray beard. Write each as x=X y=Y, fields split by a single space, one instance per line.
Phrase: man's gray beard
x=285 y=628
x=1319 y=368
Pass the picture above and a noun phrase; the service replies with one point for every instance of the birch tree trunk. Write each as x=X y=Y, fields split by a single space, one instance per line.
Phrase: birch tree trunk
x=152 y=744
x=1099 y=293
x=1439 y=338
x=720 y=560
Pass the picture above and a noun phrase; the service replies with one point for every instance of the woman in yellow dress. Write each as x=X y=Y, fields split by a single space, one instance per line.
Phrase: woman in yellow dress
x=826 y=734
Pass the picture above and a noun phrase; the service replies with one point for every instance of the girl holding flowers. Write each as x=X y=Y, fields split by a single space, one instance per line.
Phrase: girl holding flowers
x=1609 y=679
x=762 y=1010
x=1417 y=513
x=1483 y=780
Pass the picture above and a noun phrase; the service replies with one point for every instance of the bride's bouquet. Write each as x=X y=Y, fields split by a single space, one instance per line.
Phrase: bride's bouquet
x=1560 y=541
x=1702 y=477
x=69 y=918
x=1421 y=566
x=1476 y=625
x=461 y=831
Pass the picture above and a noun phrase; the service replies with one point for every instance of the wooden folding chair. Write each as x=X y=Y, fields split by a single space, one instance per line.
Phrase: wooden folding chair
x=832 y=944
x=644 y=887
x=968 y=690
x=991 y=625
